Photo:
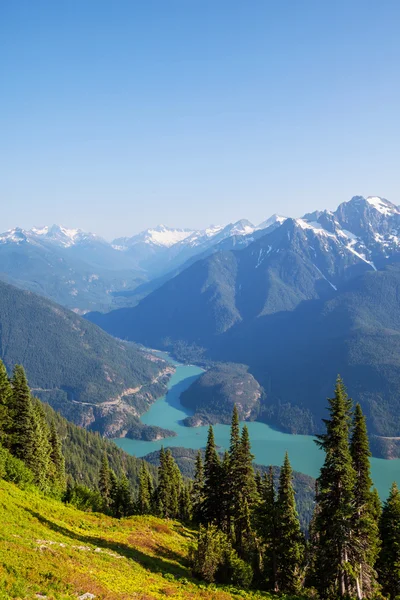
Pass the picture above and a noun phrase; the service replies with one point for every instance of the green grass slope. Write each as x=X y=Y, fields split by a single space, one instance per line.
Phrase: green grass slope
x=55 y=551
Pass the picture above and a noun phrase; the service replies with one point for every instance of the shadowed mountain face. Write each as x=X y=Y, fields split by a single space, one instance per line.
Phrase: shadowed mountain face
x=305 y=301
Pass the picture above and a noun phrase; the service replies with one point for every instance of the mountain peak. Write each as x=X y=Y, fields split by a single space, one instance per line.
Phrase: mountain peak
x=378 y=203
x=274 y=221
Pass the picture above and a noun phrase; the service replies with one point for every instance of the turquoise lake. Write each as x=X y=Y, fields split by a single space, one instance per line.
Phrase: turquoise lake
x=268 y=445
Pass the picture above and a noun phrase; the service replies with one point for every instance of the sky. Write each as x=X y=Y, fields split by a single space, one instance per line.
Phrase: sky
x=117 y=115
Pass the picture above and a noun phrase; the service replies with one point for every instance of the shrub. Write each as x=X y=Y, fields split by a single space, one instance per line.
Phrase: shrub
x=14 y=470
x=83 y=498
x=215 y=561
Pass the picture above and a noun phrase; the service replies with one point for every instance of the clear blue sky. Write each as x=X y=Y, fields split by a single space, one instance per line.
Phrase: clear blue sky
x=116 y=115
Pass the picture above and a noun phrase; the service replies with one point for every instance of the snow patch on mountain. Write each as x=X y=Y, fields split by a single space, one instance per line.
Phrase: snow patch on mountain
x=383 y=206
x=274 y=220
x=164 y=236
x=314 y=226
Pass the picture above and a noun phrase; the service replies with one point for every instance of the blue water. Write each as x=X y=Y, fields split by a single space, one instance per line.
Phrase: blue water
x=268 y=445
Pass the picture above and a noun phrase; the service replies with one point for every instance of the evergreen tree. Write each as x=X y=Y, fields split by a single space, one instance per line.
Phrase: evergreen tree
x=114 y=484
x=162 y=499
x=232 y=479
x=145 y=490
x=226 y=501
x=388 y=564
x=105 y=482
x=334 y=560
x=248 y=488
x=57 y=460
x=22 y=434
x=169 y=486
x=198 y=491
x=259 y=484
x=175 y=486
x=5 y=400
x=185 y=504
x=212 y=481
x=267 y=527
x=290 y=541
x=123 y=503
x=366 y=533
x=376 y=505
x=41 y=463
x=246 y=491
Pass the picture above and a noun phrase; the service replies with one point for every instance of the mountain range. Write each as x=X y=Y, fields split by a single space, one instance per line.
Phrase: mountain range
x=297 y=302
x=85 y=272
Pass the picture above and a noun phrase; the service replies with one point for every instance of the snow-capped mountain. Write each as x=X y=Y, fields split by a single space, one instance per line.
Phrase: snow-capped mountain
x=55 y=234
x=361 y=231
x=158 y=236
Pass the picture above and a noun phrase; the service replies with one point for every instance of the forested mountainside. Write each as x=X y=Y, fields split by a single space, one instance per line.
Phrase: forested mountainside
x=303 y=302
x=91 y=378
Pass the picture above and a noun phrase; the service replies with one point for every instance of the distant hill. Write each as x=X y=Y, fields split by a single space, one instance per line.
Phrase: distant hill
x=212 y=396
x=91 y=378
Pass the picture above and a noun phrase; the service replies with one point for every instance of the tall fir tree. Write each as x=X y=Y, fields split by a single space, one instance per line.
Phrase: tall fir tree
x=197 y=492
x=212 y=481
x=57 y=460
x=334 y=560
x=376 y=505
x=105 y=482
x=113 y=503
x=145 y=490
x=231 y=478
x=267 y=528
x=226 y=496
x=185 y=504
x=41 y=463
x=22 y=434
x=290 y=541
x=246 y=491
x=123 y=502
x=388 y=564
x=169 y=486
x=366 y=532
x=5 y=400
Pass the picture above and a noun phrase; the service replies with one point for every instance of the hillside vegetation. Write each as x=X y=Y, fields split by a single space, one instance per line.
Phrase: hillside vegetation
x=52 y=550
